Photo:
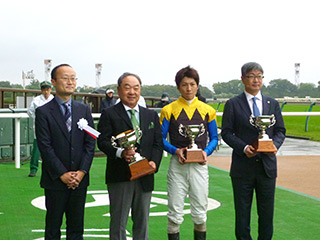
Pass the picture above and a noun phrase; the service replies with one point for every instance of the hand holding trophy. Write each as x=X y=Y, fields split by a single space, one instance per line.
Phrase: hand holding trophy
x=193 y=153
x=263 y=122
x=139 y=165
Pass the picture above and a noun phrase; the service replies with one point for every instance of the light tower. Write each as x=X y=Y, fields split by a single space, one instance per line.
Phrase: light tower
x=47 y=68
x=29 y=75
x=297 y=74
x=98 y=74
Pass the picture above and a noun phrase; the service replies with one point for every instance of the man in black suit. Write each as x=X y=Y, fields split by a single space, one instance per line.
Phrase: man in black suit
x=252 y=171
x=123 y=193
x=67 y=154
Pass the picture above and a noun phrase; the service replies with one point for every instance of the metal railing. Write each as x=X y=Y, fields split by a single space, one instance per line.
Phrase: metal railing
x=94 y=99
x=19 y=116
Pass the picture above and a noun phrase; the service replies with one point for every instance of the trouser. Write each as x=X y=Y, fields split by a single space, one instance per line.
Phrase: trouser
x=243 y=189
x=71 y=202
x=124 y=196
x=34 y=162
x=190 y=179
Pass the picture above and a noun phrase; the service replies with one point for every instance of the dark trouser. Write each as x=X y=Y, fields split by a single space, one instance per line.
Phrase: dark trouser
x=70 y=202
x=34 y=162
x=124 y=196
x=264 y=188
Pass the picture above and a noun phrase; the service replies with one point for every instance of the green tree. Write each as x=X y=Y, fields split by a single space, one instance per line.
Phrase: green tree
x=233 y=87
x=5 y=84
x=281 y=87
x=34 y=84
x=206 y=92
x=307 y=89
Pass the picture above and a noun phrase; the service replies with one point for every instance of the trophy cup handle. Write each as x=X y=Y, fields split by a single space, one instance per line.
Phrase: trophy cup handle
x=273 y=120
x=182 y=130
x=252 y=121
x=202 y=130
x=139 y=133
x=113 y=142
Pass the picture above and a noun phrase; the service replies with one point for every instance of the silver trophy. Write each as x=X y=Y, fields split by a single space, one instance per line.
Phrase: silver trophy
x=139 y=165
x=263 y=122
x=193 y=153
x=127 y=140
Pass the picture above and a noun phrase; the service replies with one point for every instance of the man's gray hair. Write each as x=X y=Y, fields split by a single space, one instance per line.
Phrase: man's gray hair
x=248 y=67
x=126 y=74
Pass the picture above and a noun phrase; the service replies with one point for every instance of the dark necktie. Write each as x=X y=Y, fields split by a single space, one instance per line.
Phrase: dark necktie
x=67 y=116
x=255 y=108
x=134 y=121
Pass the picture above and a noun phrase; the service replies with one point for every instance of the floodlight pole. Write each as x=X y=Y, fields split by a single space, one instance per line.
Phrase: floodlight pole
x=98 y=74
x=297 y=73
x=29 y=75
x=23 y=80
x=47 y=68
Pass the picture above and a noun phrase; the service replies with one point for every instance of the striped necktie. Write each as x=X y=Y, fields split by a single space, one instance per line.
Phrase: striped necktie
x=134 y=121
x=255 y=108
x=67 y=116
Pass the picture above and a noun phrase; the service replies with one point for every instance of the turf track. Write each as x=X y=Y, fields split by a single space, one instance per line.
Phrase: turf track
x=296 y=216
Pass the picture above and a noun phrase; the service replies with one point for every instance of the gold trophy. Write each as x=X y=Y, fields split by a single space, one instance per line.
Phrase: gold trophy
x=193 y=153
x=263 y=122
x=139 y=165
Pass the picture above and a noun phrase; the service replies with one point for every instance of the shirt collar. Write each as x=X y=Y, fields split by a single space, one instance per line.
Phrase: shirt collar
x=188 y=101
x=60 y=101
x=250 y=96
x=129 y=108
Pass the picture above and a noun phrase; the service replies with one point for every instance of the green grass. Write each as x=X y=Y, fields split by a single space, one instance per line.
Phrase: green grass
x=296 y=215
x=295 y=125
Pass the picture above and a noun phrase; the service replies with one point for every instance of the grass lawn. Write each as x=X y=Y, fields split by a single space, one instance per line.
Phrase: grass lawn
x=296 y=215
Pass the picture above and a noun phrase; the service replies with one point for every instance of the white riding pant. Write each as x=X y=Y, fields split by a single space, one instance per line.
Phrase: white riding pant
x=190 y=179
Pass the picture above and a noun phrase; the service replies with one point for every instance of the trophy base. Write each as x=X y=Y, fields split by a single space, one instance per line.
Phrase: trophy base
x=264 y=146
x=140 y=168
x=193 y=156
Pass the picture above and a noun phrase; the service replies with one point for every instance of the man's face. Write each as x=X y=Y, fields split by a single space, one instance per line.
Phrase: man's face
x=65 y=82
x=253 y=81
x=188 y=88
x=110 y=94
x=46 y=92
x=129 y=91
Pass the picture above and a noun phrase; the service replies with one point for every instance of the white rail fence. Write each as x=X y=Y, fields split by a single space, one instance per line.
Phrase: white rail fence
x=19 y=116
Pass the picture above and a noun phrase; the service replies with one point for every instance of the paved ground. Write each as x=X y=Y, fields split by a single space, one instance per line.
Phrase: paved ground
x=298 y=165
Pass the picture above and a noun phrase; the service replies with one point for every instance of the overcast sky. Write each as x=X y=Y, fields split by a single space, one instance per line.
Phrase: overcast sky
x=155 y=39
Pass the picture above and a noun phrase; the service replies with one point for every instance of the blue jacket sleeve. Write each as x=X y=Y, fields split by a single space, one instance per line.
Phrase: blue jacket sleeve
x=213 y=137
x=164 y=129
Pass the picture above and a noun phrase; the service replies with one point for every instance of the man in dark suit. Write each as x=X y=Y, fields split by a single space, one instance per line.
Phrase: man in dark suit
x=252 y=171
x=123 y=193
x=67 y=154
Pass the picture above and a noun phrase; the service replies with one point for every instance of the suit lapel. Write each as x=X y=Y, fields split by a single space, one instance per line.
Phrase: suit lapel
x=244 y=104
x=76 y=115
x=265 y=105
x=119 y=108
x=143 y=118
x=57 y=115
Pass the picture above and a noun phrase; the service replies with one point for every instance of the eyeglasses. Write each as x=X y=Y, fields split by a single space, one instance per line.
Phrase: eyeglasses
x=251 y=77
x=66 y=79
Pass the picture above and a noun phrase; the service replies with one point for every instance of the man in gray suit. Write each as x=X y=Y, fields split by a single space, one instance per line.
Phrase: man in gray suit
x=123 y=193
x=67 y=154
